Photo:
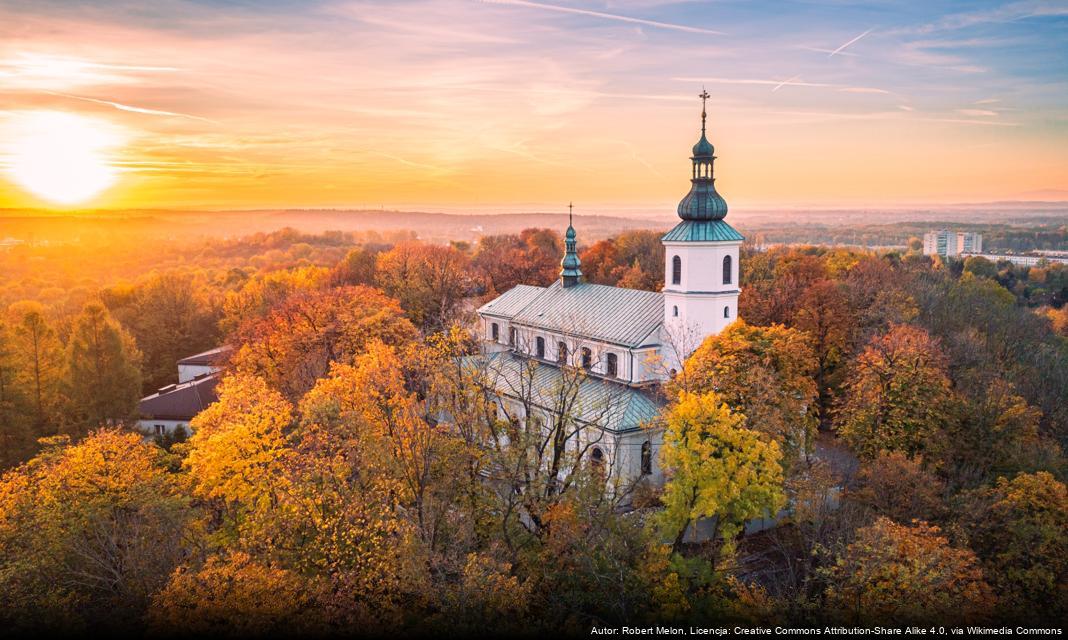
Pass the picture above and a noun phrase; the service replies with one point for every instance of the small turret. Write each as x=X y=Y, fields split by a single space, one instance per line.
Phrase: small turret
x=569 y=266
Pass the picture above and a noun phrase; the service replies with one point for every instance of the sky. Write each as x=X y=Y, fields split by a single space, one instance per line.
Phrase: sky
x=526 y=105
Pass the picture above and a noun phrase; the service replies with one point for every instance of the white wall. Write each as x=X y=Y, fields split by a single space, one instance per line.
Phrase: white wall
x=187 y=372
x=148 y=426
x=705 y=305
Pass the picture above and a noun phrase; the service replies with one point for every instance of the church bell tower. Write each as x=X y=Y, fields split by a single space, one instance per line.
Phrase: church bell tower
x=701 y=270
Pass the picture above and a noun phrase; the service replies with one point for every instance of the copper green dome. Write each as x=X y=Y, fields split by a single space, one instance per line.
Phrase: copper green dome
x=703 y=148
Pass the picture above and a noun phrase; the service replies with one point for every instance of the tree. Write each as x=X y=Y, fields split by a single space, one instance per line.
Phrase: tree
x=1018 y=529
x=716 y=468
x=429 y=281
x=898 y=487
x=897 y=395
x=89 y=532
x=532 y=257
x=238 y=444
x=823 y=313
x=894 y=573
x=234 y=595
x=38 y=358
x=632 y=259
x=102 y=380
x=295 y=343
x=16 y=430
x=170 y=317
x=764 y=373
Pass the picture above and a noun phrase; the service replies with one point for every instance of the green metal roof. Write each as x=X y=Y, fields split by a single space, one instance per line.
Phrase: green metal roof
x=608 y=314
x=703 y=231
x=603 y=403
x=703 y=148
x=512 y=301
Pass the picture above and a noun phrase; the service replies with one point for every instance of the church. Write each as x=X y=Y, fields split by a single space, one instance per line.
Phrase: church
x=599 y=353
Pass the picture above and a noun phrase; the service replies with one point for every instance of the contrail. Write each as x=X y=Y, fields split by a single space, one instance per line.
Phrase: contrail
x=784 y=82
x=841 y=48
x=131 y=109
x=606 y=16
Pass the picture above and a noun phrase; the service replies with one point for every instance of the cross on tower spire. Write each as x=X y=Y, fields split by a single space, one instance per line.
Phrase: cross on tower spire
x=704 y=97
x=570 y=207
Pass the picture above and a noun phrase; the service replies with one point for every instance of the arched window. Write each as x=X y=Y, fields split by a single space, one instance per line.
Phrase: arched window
x=647 y=458
x=561 y=353
x=511 y=336
x=727 y=269
x=612 y=365
x=726 y=312
x=676 y=270
x=675 y=310
x=597 y=456
x=587 y=358
x=539 y=346
x=495 y=331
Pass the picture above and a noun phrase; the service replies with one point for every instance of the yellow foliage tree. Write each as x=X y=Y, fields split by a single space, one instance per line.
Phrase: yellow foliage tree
x=716 y=468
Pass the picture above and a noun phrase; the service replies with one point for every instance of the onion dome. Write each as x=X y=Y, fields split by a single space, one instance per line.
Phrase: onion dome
x=570 y=274
x=703 y=202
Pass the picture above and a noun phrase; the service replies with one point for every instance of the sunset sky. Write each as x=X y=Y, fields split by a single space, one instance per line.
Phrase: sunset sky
x=527 y=105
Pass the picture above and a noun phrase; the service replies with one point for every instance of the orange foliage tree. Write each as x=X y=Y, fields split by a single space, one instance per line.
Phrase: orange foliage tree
x=897 y=573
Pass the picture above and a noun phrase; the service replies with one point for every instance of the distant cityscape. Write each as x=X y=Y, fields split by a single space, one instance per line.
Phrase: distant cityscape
x=965 y=244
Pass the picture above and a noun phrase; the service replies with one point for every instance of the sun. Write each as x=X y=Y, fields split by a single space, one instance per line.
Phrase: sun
x=61 y=157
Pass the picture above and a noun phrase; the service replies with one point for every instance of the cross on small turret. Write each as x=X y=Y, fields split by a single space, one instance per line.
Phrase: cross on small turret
x=570 y=207
x=704 y=97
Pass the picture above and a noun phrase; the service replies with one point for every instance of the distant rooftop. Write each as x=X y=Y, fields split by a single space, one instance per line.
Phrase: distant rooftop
x=208 y=358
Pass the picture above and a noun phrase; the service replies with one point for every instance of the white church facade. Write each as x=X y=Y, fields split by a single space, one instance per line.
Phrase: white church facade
x=612 y=346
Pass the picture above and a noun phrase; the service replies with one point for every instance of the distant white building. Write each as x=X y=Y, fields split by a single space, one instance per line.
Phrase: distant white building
x=624 y=341
x=173 y=406
x=949 y=244
x=1025 y=261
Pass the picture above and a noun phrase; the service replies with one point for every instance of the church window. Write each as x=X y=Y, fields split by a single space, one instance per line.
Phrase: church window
x=511 y=336
x=727 y=269
x=726 y=312
x=647 y=458
x=587 y=358
x=539 y=347
x=597 y=456
x=612 y=365
x=675 y=310
x=561 y=353
x=495 y=331
x=676 y=270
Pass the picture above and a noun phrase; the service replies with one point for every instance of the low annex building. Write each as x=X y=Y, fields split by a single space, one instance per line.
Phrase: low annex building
x=171 y=408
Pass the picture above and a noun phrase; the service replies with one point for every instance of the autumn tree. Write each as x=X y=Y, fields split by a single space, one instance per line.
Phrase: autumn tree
x=102 y=378
x=632 y=259
x=171 y=316
x=531 y=257
x=897 y=395
x=234 y=595
x=764 y=373
x=1018 y=529
x=295 y=343
x=259 y=295
x=89 y=532
x=716 y=468
x=16 y=428
x=895 y=573
x=429 y=281
x=37 y=354
x=898 y=487
x=823 y=313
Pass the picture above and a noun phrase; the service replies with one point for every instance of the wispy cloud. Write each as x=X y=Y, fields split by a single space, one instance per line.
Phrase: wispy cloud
x=606 y=16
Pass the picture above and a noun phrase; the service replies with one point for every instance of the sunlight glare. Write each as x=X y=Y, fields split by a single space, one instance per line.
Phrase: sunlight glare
x=61 y=157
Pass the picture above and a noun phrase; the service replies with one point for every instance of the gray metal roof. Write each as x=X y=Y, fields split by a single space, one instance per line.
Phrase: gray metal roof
x=703 y=231
x=603 y=403
x=620 y=316
x=512 y=301
x=180 y=401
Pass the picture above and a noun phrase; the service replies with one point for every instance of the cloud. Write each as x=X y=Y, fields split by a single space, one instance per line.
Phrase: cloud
x=977 y=112
x=606 y=16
